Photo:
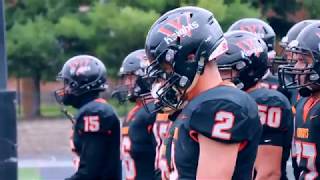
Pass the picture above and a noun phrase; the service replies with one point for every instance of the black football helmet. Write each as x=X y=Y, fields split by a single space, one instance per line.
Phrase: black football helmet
x=294 y=31
x=134 y=64
x=247 y=55
x=182 y=40
x=306 y=46
x=258 y=27
x=291 y=35
x=81 y=75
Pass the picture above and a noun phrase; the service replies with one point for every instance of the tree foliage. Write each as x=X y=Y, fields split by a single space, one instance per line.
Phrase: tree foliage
x=228 y=12
x=41 y=35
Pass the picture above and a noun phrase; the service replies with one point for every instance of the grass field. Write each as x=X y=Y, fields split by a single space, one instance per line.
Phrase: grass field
x=53 y=110
x=28 y=174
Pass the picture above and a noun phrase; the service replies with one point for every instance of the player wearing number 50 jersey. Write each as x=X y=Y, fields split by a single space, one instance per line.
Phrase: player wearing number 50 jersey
x=217 y=132
x=245 y=63
x=96 y=128
x=305 y=76
x=138 y=143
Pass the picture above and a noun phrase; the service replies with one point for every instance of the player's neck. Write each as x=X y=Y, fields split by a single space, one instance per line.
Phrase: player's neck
x=208 y=80
x=256 y=86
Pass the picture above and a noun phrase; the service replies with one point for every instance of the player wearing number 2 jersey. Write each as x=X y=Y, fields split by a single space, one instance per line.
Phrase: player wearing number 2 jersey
x=96 y=128
x=305 y=76
x=217 y=132
x=245 y=63
x=138 y=143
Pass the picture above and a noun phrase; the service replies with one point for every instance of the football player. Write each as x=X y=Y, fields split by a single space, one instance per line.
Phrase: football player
x=245 y=63
x=304 y=76
x=265 y=32
x=96 y=129
x=138 y=143
x=217 y=132
x=287 y=58
x=160 y=132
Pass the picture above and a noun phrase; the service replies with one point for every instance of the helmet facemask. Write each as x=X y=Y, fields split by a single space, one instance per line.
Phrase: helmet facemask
x=175 y=76
x=285 y=57
x=167 y=86
x=64 y=95
x=303 y=74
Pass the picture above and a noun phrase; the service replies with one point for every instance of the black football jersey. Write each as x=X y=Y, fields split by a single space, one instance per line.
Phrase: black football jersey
x=223 y=114
x=160 y=132
x=138 y=143
x=277 y=120
x=270 y=82
x=307 y=137
x=96 y=139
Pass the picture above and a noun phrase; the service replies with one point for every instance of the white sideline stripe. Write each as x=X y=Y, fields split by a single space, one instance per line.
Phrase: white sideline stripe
x=43 y=163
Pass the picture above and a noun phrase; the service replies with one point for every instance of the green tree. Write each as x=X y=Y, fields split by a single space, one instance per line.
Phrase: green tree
x=107 y=31
x=228 y=12
x=160 y=6
x=313 y=8
x=118 y=31
x=281 y=10
x=33 y=51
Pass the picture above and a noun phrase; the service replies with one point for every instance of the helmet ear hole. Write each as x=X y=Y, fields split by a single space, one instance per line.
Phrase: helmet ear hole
x=73 y=84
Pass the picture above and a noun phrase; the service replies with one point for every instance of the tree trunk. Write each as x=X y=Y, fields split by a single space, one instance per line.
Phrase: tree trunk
x=36 y=96
x=30 y=97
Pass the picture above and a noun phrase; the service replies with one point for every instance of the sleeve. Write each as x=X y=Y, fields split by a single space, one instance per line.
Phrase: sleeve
x=225 y=121
x=100 y=145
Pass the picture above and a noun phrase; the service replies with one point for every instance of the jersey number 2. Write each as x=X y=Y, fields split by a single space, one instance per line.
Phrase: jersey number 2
x=223 y=122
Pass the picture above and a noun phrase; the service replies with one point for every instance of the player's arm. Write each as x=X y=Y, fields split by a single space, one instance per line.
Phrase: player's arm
x=273 y=141
x=268 y=162
x=92 y=157
x=212 y=152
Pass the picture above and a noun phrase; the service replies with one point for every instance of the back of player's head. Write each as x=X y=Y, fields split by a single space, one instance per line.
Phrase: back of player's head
x=246 y=60
x=258 y=27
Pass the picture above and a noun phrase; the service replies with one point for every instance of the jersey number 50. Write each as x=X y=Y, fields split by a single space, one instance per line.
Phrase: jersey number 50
x=270 y=116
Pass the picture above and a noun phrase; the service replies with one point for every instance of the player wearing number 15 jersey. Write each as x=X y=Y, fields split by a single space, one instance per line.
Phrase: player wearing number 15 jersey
x=138 y=143
x=217 y=132
x=96 y=128
x=305 y=76
x=245 y=63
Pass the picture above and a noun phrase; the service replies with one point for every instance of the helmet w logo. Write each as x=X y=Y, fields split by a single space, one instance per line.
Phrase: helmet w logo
x=254 y=28
x=249 y=47
x=181 y=27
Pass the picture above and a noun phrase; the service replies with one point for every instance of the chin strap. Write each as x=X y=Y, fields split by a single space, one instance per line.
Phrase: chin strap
x=68 y=114
x=200 y=70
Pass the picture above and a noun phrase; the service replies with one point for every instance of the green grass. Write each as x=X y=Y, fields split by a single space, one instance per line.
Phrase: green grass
x=50 y=110
x=53 y=110
x=28 y=174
